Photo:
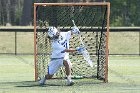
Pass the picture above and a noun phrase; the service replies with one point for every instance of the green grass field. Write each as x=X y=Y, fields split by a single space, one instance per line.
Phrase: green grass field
x=17 y=76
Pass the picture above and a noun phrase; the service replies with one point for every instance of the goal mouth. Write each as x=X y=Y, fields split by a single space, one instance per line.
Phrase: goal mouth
x=93 y=21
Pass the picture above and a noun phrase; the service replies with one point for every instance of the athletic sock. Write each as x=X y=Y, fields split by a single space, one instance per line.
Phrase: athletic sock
x=69 y=79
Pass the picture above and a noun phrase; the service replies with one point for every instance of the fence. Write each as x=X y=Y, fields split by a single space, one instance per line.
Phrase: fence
x=20 y=40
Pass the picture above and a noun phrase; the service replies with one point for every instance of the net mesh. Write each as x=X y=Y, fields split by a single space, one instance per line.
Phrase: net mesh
x=91 y=20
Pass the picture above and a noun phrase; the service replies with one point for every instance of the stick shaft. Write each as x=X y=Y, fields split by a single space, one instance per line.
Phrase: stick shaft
x=73 y=22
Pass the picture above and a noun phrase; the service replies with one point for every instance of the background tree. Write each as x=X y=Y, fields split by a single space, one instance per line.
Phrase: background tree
x=20 y=12
x=26 y=13
x=125 y=13
x=10 y=11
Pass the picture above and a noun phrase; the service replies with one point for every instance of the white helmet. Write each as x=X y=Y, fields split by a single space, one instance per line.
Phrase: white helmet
x=52 y=31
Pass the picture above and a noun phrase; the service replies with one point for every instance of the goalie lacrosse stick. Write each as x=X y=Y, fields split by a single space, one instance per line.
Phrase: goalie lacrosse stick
x=85 y=52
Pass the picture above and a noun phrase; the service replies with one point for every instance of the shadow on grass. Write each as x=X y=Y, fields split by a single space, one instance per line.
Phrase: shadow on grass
x=20 y=84
x=82 y=82
x=35 y=84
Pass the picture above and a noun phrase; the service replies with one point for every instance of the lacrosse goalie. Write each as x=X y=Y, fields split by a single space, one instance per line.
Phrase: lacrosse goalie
x=59 y=54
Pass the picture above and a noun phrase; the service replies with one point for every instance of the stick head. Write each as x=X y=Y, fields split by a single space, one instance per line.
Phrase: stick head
x=75 y=30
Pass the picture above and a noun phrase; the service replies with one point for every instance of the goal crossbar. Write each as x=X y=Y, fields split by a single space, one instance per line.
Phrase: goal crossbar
x=73 y=4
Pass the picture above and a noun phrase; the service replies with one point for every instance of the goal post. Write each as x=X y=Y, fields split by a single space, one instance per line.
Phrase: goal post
x=93 y=21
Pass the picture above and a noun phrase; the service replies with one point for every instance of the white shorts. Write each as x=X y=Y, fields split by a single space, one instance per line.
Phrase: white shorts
x=55 y=65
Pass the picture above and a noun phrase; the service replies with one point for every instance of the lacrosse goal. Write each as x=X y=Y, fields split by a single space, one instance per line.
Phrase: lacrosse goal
x=93 y=21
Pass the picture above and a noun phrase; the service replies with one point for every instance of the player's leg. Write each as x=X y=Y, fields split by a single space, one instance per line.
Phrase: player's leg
x=43 y=80
x=53 y=67
x=68 y=66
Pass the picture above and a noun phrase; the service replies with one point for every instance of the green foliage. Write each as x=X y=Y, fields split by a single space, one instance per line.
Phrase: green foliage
x=125 y=13
x=10 y=11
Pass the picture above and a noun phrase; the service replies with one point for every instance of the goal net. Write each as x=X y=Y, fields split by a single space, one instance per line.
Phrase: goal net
x=93 y=21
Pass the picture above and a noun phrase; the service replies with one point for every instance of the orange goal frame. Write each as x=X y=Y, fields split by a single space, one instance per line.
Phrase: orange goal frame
x=74 y=4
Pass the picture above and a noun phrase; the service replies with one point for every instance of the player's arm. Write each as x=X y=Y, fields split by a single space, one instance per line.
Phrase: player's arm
x=70 y=50
x=78 y=49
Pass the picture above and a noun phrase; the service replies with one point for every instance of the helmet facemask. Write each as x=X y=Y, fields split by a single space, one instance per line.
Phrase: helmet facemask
x=53 y=33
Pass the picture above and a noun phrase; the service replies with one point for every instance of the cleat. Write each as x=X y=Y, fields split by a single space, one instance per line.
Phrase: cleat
x=70 y=83
x=42 y=81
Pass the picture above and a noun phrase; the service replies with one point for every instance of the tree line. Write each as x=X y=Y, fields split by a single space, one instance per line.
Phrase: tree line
x=20 y=12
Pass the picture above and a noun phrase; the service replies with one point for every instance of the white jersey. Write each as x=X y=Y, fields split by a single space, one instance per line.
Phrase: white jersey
x=60 y=45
